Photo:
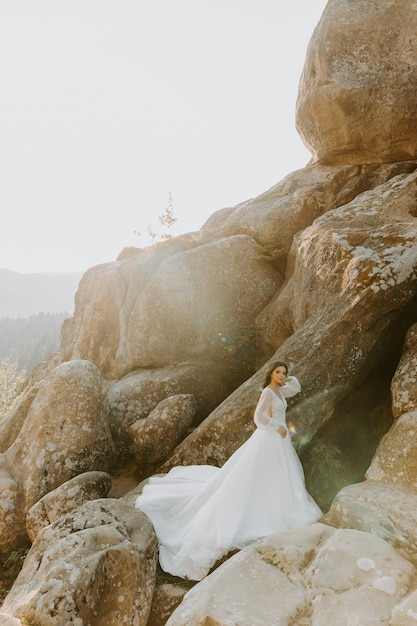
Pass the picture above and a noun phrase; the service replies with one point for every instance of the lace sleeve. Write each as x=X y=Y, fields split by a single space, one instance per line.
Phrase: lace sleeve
x=263 y=417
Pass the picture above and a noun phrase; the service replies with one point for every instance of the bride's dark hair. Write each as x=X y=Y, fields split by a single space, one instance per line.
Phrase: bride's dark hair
x=271 y=369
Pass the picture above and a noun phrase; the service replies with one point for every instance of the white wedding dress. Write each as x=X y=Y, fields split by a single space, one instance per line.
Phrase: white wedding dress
x=201 y=512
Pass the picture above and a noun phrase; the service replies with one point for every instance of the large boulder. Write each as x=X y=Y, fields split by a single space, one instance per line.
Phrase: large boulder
x=275 y=216
x=66 y=498
x=136 y=395
x=351 y=280
x=356 y=99
x=186 y=302
x=201 y=305
x=94 y=332
x=93 y=566
x=155 y=436
x=394 y=467
x=223 y=431
x=386 y=510
x=65 y=433
x=313 y=576
x=103 y=302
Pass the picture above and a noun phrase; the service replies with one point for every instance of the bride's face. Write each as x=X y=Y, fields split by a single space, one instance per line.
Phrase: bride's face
x=279 y=375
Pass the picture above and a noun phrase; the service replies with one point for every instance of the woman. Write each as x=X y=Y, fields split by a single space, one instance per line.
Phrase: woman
x=201 y=512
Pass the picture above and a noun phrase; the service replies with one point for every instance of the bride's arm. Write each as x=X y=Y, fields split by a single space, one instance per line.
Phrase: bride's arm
x=291 y=387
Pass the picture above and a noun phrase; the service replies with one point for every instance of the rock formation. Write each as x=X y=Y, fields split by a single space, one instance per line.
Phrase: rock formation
x=356 y=98
x=94 y=565
x=318 y=575
x=164 y=357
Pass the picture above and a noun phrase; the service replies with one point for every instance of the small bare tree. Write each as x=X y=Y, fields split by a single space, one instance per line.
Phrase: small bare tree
x=11 y=384
x=166 y=220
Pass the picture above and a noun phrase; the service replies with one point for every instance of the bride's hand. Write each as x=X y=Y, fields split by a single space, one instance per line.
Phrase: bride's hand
x=282 y=431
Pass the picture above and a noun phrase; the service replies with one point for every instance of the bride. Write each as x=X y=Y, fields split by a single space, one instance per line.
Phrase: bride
x=201 y=512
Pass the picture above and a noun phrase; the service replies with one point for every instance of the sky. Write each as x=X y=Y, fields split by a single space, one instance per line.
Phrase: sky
x=109 y=106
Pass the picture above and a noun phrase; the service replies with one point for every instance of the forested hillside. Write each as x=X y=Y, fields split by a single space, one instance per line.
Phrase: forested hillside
x=32 y=309
x=30 y=340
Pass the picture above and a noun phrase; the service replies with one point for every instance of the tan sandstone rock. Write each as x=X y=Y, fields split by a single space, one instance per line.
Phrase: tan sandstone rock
x=8 y=620
x=65 y=432
x=313 y=576
x=404 y=382
x=395 y=460
x=382 y=509
x=356 y=95
x=134 y=396
x=103 y=302
x=12 y=421
x=66 y=498
x=12 y=528
x=167 y=424
x=223 y=431
x=350 y=276
x=385 y=504
x=94 y=331
x=149 y=310
x=167 y=596
x=200 y=305
x=93 y=566
x=405 y=614
x=342 y=310
x=291 y=205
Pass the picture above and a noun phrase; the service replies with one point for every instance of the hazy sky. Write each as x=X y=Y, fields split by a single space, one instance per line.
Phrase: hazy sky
x=106 y=106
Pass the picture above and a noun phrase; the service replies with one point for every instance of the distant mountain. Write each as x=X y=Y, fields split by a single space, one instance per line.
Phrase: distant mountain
x=22 y=295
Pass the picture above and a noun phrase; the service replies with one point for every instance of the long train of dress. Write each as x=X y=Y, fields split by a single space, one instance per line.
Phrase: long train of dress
x=201 y=512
